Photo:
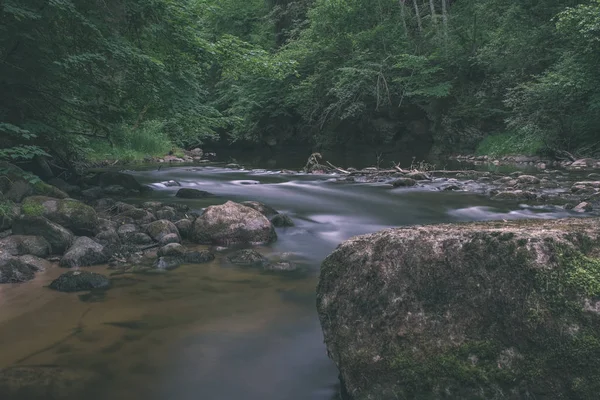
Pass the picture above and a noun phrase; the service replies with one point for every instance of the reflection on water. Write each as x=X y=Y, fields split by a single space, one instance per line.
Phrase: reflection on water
x=216 y=331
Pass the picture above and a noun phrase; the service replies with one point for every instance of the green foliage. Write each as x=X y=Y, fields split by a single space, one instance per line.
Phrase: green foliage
x=510 y=143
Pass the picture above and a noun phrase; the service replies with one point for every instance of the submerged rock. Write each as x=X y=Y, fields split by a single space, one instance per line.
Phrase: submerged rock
x=78 y=281
x=168 y=262
x=248 y=258
x=84 y=252
x=466 y=311
x=187 y=193
x=232 y=223
x=282 y=221
x=198 y=257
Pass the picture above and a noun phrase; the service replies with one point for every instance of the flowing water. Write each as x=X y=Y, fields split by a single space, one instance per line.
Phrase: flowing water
x=216 y=331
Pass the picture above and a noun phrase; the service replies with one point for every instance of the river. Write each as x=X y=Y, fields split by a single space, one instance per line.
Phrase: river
x=215 y=331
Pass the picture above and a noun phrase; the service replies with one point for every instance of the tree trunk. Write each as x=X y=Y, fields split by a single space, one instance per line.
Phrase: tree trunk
x=418 y=14
x=433 y=15
x=403 y=15
x=445 y=17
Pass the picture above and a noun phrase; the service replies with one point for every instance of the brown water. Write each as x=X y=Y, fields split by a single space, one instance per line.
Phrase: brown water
x=216 y=331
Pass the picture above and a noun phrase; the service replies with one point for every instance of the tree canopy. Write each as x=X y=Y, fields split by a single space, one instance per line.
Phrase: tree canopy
x=152 y=74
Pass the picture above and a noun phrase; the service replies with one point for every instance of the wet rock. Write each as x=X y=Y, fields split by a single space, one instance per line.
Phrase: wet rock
x=59 y=238
x=187 y=193
x=282 y=221
x=582 y=163
x=184 y=226
x=404 y=182
x=78 y=281
x=18 y=191
x=528 y=179
x=84 y=252
x=170 y=238
x=248 y=258
x=394 y=311
x=515 y=195
x=117 y=191
x=167 y=213
x=282 y=266
x=107 y=225
x=139 y=215
x=232 y=223
x=13 y=270
x=158 y=229
x=8 y=212
x=126 y=230
x=152 y=205
x=583 y=207
x=198 y=257
x=108 y=237
x=262 y=208
x=168 y=263
x=19 y=245
x=197 y=152
x=171 y=184
x=594 y=176
x=139 y=239
x=81 y=219
x=172 y=250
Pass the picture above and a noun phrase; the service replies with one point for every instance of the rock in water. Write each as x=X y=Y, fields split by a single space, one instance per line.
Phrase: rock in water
x=232 y=223
x=85 y=252
x=262 y=208
x=467 y=311
x=78 y=281
x=45 y=383
x=14 y=270
x=187 y=193
x=282 y=221
x=248 y=258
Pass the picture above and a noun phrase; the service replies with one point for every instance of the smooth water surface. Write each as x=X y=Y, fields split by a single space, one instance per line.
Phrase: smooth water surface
x=216 y=331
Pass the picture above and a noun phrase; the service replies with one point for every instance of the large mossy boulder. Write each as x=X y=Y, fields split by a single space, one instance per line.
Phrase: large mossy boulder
x=60 y=239
x=232 y=223
x=467 y=311
x=72 y=214
x=161 y=228
x=84 y=252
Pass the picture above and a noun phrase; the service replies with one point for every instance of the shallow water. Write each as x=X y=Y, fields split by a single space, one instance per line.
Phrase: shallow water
x=215 y=331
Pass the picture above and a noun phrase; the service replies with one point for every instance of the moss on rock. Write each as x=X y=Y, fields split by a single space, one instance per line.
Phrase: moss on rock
x=467 y=311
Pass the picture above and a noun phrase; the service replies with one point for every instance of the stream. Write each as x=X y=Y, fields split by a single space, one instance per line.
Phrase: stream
x=216 y=331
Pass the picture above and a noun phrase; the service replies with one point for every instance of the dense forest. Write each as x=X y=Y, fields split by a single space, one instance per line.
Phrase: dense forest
x=80 y=78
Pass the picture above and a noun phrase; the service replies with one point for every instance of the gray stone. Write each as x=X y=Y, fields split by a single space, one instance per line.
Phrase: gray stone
x=158 y=229
x=78 y=281
x=404 y=182
x=188 y=193
x=262 y=208
x=583 y=207
x=248 y=258
x=528 y=179
x=232 y=223
x=404 y=309
x=19 y=245
x=81 y=219
x=13 y=270
x=170 y=238
x=282 y=221
x=168 y=263
x=59 y=238
x=198 y=257
x=84 y=252
x=184 y=226
x=171 y=250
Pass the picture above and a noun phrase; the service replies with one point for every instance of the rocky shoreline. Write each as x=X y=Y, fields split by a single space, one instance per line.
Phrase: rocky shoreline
x=541 y=163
